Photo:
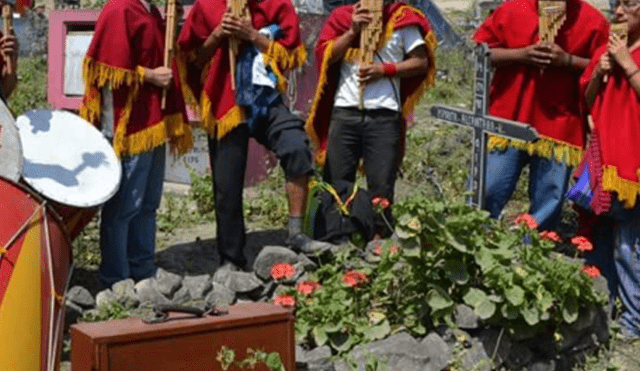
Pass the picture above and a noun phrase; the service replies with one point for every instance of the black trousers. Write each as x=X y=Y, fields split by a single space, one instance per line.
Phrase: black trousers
x=283 y=133
x=374 y=136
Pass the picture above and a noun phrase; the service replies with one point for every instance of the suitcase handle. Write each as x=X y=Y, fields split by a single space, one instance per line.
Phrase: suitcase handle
x=161 y=312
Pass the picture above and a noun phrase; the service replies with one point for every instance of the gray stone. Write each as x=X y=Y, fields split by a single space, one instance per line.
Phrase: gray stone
x=148 y=291
x=198 y=286
x=300 y=354
x=402 y=352
x=243 y=282
x=220 y=296
x=306 y=262
x=321 y=366
x=126 y=293
x=271 y=255
x=519 y=356
x=466 y=318
x=168 y=283
x=105 y=298
x=181 y=296
x=546 y=365
x=318 y=355
x=476 y=357
x=495 y=342
x=341 y=365
x=222 y=273
x=438 y=348
x=80 y=296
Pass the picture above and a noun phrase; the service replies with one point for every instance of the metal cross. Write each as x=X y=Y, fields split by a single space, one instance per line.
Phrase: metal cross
x=482 y=123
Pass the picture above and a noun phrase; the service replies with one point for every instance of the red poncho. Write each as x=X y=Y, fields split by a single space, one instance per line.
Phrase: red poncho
x=212 y=87
x=394 y=17
x=127 y=39
x=616 y=115
x=548 y=101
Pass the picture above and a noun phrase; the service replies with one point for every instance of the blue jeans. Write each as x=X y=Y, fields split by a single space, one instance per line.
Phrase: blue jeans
x=548 y=182
x=128 y=219
x=617 y=253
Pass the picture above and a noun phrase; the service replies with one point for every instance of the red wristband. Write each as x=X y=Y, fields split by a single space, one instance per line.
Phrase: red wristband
x=390 y=69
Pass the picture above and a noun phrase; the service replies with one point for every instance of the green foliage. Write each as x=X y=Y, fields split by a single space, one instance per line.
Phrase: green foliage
x=114 y=310
x=371 y=362
x=226 y=357
x=86 y=251
x=201 y=192
x=31 y=91
x=267 y=203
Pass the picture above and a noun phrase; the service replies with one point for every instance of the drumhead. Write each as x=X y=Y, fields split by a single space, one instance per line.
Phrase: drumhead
x=11 y=159
x=66 y=159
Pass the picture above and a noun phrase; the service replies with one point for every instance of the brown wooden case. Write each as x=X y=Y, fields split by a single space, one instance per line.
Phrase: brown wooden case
x=184 y=343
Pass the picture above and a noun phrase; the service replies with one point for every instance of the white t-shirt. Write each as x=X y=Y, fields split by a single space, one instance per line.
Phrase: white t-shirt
x=380 y=93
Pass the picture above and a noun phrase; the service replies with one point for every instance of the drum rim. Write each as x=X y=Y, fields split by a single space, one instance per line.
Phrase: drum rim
x=18 y=142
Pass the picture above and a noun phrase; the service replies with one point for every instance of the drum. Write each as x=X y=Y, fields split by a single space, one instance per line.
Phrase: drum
x=10 y=146
x=69 y=169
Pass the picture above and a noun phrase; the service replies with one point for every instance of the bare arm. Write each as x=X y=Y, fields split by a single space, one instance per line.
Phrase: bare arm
x=541 y=55
x=360 y=18
x=416 y=63
x=603 y=67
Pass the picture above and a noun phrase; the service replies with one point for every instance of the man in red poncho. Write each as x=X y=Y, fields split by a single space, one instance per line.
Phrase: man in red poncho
x=613 y=158
x=8 y=71
x=537 y=83
x=124 y=80
x=403 y=68
x=269 y=45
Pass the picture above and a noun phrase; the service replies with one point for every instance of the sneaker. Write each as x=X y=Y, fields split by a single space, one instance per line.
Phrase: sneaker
x=302 y=243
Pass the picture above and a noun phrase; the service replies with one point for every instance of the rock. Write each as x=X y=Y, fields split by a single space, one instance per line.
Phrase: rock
x=198 y=286
x=80 y=296
x=73 y=313
x=242 y=282
x=105 y=298
x=220 y=296
x=546 y=365
x=519 y=356
x=440 y=350
x=476 y=357
x=181 y=296
x=168 y=283
x=148 y=291
x=321 y=366
x=495 y=342
x=318 y=355
x=306 y=262
x=300 y=354
x=222 y=273
x=402 y=352
x=271 y=255
x=466 y=318
x=125 y=292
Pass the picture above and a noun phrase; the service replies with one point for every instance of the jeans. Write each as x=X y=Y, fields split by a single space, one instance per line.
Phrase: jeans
x=128 y=219
x=548 y=182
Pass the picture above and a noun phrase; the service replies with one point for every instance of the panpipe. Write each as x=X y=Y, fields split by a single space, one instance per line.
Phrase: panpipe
x=551 y=15
x=369 y=37
x=621 y=30
x=7 y=20
x=169 y=41
x=240 y=9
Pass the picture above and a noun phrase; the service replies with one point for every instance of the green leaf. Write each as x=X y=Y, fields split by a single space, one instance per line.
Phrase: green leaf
x=341 y=342
x=485 y=309
x=451 y=240
x=439 y=299
x=319 y=336
x=531 y=315
x=509 y=311
x=456 y=271
x=474 y=297
x=515 y=295
x=570 y=310
x=273 y=362
x=333 y=327
x=378 y=332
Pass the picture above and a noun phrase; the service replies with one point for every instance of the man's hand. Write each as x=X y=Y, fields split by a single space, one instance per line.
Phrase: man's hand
x=160 y=76
x=537 y=55
x=604 y=65
x=360 y=18
x=620 y=54
x=9 y=47
x=240 y=28
x=367 y=74
x=556 y=55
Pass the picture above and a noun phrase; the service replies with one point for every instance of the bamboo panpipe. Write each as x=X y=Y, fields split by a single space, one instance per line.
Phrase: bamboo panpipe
x=369 y=38
x=240 y=9
x=551 y=14
x=7 y=19
x=622 y=30
x=169 y=41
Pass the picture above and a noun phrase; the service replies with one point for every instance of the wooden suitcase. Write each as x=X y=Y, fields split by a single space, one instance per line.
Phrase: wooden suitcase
x=184 y=343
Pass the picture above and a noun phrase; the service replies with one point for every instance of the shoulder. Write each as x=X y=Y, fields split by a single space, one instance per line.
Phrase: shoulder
x=341 y=11
x=515 y=8
x=592 y=15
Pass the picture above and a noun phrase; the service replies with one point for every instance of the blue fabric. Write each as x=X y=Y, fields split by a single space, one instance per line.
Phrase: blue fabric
x=128 y=219
x=581 y=192
x=255 y=99
x=548 y=182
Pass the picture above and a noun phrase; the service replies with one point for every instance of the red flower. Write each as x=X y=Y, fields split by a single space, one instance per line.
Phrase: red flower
x=380 y=202
x=550 y=236
x=354 y=279
x=393 y=249
x=307 y=287
x=377 y=251
x=591 y=270
x=582 y=244
x=527 y=220
x=285 y=301
x=282 y=271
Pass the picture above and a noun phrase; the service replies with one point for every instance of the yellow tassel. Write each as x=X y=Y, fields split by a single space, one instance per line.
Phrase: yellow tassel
x=99 y=74
x=322 y=81
x=627 y=190
x=179 y=133
x=284 y=58
x=187 y=93
x=545 y=147
x=219 y=128
x=91 y=108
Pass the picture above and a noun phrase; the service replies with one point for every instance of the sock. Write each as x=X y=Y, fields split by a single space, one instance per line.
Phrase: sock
x=295 y=225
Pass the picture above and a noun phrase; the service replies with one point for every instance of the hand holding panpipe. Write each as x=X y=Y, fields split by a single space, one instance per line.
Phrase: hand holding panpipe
x=7 y=20
x=551 y=16
x=369 y=38
x=237 y=8
x=622 y=31
x=169 y=41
